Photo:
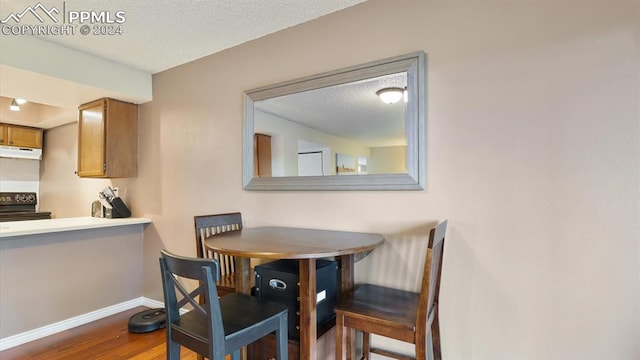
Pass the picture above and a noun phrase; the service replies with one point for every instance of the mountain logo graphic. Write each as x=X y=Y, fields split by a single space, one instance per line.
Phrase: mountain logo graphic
x=35 y=12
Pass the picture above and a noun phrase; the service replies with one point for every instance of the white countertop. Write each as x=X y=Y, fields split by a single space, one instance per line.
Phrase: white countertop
x=32 y=227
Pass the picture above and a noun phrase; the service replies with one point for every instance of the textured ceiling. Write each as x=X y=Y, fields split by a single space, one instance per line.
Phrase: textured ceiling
x=160 y=34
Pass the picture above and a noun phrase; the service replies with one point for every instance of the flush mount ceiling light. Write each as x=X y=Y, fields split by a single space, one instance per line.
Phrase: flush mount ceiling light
x=14 y=105
x=390 y=95
x=20 y=101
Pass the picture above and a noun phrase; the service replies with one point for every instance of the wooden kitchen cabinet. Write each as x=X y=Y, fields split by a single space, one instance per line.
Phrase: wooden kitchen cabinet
x=20 y=136
x=3 y=134
x=108 y=139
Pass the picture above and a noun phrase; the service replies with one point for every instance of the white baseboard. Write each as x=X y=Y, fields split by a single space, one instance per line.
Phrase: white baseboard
x=150 y=303
x=19 y=339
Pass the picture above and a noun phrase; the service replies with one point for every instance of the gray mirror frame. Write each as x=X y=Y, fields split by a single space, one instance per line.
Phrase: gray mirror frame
x=415 y=124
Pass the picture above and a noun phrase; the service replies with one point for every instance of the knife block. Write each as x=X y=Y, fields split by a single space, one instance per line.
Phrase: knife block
x=118 y=209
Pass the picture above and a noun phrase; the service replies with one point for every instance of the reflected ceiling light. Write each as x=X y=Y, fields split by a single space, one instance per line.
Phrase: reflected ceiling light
x=14 y=106
x=20 y=101
x=390 y=95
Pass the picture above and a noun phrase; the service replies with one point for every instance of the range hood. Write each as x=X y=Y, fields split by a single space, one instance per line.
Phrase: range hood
x=20 y=153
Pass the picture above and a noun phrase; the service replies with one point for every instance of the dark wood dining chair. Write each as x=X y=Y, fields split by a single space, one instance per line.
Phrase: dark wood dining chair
x=220 y=326
x=208 y=225
x=402 y=315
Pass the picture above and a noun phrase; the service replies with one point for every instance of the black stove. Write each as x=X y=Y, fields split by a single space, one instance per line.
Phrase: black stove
x=17 y=206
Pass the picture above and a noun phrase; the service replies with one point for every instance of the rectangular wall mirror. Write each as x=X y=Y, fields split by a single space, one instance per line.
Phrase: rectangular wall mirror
x=359 y=128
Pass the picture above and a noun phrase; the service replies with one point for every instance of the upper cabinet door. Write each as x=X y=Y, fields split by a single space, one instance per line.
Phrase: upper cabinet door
x=3 y=134
x=91 y=130
x=25 y=137
x=108 y=139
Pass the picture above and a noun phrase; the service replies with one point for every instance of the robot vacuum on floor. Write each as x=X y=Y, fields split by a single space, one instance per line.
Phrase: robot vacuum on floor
x=147 y=321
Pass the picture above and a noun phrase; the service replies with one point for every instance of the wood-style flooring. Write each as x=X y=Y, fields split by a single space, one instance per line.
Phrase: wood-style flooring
x=107 y=339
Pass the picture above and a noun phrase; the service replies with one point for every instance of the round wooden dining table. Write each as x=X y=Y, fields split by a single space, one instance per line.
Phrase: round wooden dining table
x=306 y=245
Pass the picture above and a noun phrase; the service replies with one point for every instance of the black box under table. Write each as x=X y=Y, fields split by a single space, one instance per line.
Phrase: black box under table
x=278 y=281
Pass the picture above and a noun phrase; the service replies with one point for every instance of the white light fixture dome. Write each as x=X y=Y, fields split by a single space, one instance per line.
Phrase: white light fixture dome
x=390 y=95
x=20 y=101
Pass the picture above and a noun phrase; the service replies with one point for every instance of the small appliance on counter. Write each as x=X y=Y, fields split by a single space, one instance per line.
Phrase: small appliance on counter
x=110 y=205
x=18 y=206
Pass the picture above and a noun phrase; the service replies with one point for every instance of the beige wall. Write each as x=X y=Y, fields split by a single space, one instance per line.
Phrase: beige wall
x=532 y=154
x=388 y=160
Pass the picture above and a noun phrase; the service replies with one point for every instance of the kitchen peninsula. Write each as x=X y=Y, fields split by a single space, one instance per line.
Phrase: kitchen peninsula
x=32 y=227
x=60 y=273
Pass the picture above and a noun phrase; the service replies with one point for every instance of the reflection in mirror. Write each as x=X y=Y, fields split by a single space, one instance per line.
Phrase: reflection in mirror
x=313 y=133
x=318 y=126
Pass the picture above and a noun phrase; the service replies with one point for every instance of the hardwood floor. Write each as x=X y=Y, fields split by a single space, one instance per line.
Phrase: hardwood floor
x=106 y=338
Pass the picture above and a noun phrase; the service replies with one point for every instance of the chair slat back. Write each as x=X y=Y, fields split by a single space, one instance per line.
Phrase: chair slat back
x=209 y=225
x=430 y=288
x=175 y=269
